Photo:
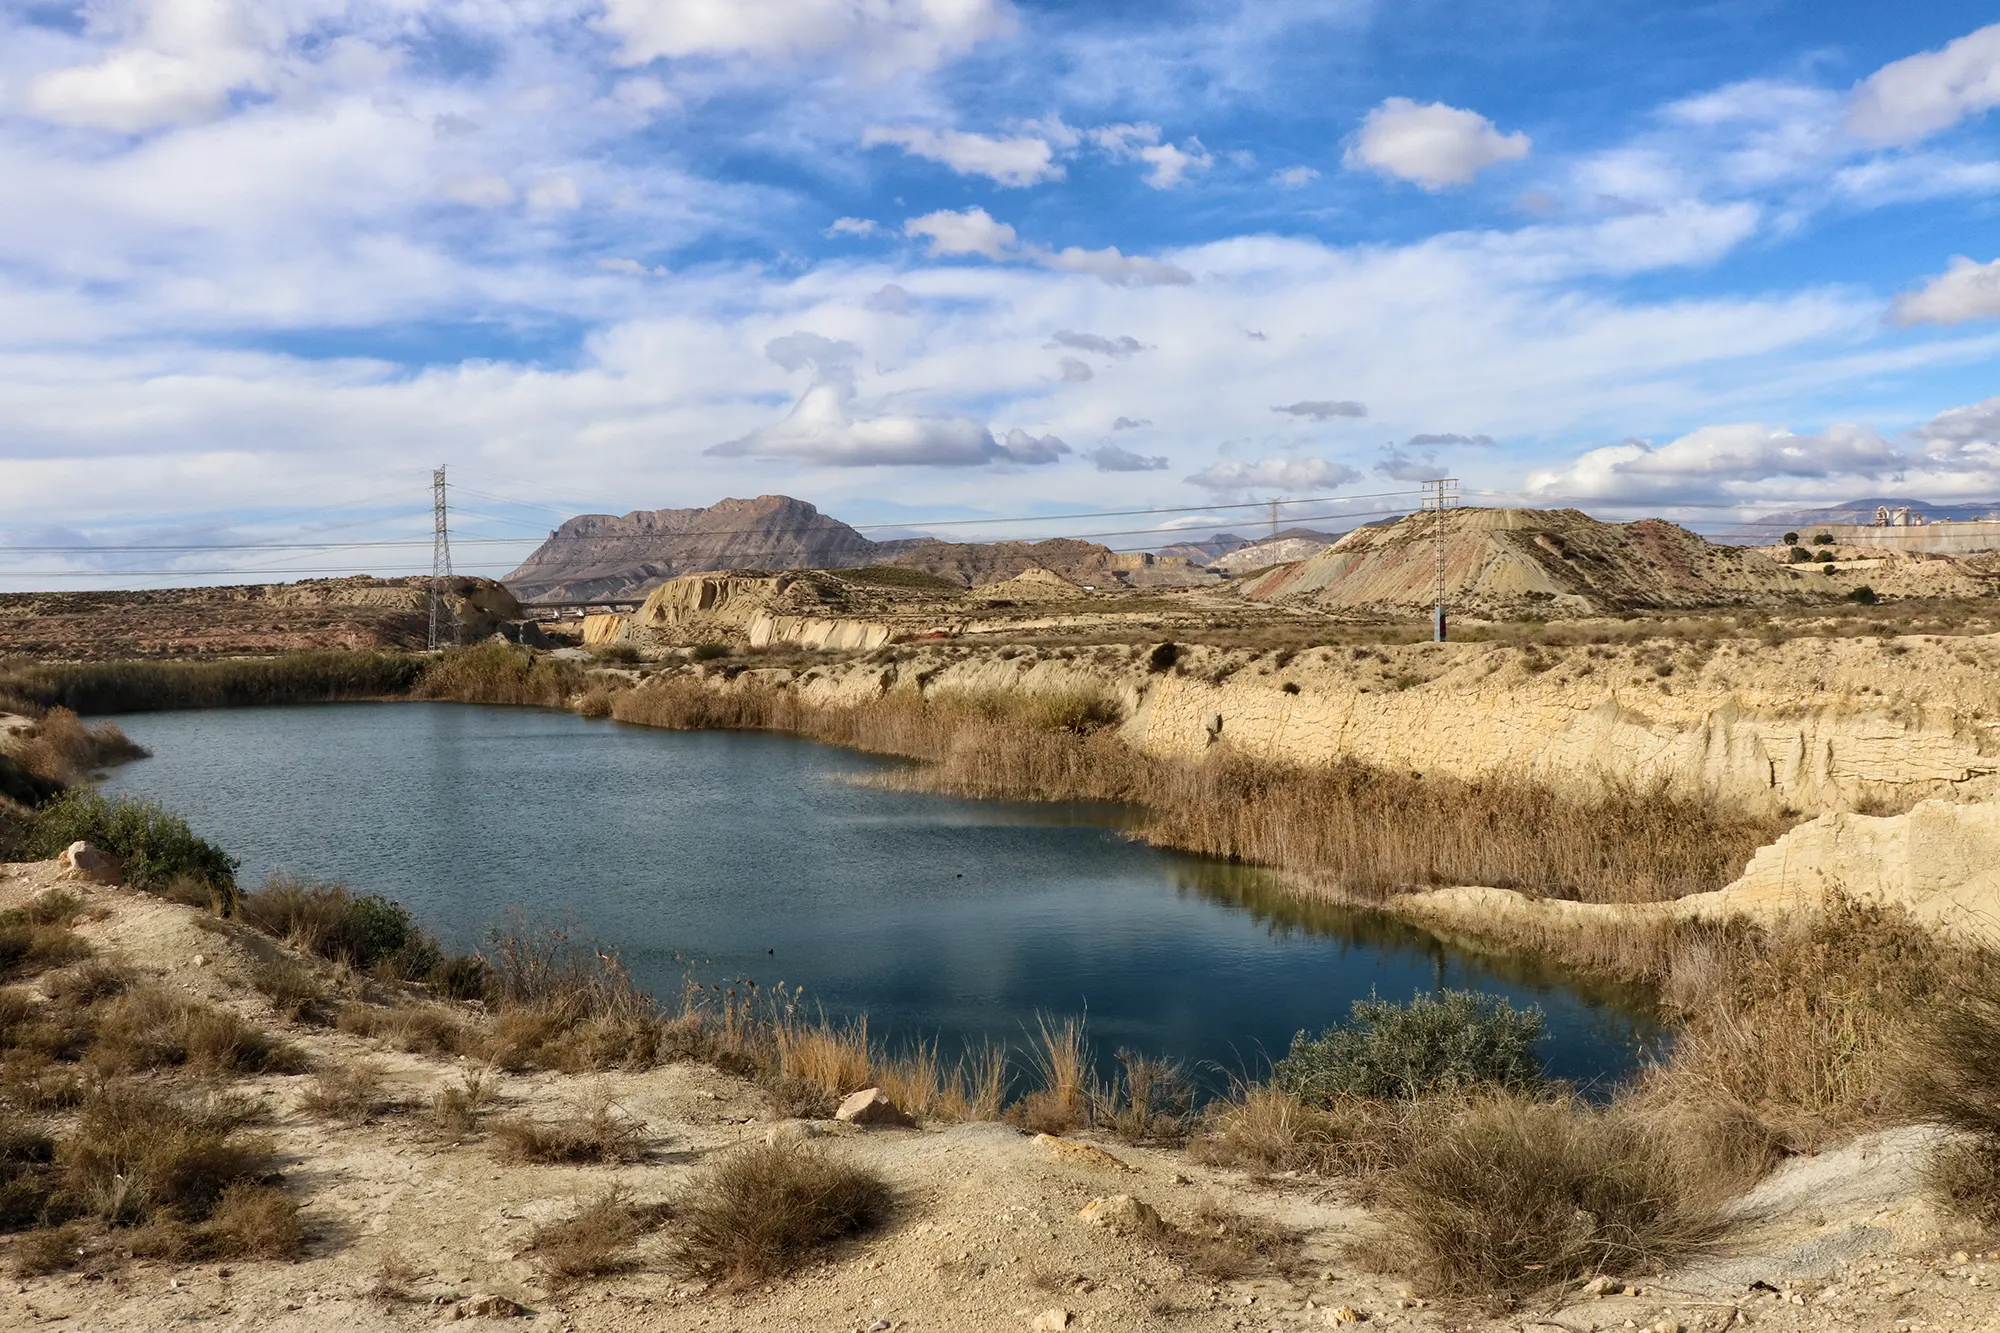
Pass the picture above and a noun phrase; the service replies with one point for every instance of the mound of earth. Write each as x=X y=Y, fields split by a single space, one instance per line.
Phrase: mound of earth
x=357 y=612
x=1534 y=561
x=1284 y=549
x=1033 y=585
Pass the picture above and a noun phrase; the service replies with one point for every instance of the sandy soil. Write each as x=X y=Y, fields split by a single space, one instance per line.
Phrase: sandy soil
x=985 y=1233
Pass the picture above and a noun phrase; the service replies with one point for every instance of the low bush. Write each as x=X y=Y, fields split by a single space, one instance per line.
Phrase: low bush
x=298 y=994
x=1265 y=1128
x=149 y=1028
x=157 y=847
x=1514 y=1196
x=592 y=1131
x=63 y=750
x=765 y=1209
x=595 y=1241
x=1222 y=1245
x=364 y=931
x=499 y=673
x=349 y=1092
x=135 y=1154
x=37 y=937
x=457 y=1109
x=1451 y=1042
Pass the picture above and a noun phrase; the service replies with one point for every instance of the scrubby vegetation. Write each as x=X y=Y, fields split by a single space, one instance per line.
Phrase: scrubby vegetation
x=1364 y=831
x=363 y=931
x=765 y=1209
x=1453 y=1042
x=160 y=853
x=496 y=673
x=133 y=687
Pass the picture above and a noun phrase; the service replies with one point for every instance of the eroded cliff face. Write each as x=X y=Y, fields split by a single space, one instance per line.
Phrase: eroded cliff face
x=1811 y=726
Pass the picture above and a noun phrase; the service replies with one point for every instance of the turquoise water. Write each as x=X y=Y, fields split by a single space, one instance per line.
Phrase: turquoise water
x=732 y=855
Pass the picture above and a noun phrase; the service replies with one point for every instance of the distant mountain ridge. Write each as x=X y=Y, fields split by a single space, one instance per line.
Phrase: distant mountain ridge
x=1768 y=528
x=599 y=557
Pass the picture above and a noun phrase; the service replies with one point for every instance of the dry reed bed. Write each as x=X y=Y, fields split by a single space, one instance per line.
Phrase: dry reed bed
x=1362 y=831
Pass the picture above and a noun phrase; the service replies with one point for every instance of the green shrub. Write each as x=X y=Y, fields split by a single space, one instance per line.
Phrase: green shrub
x=616 y=652
x=156 y=846
x=708 y=652
x=1864 y=595
x=462 y=976
x=1823 y=539
x=364 y=931
x=1450 y=1042
x=1798 y=555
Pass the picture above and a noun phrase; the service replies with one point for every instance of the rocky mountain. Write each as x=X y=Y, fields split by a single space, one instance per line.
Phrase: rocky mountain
x=1292 y=544
x=1223 y=544
x=596 y=556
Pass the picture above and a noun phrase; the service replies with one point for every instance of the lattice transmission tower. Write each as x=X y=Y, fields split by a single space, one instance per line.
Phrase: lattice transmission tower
x=444 y=620
x=1440 y=494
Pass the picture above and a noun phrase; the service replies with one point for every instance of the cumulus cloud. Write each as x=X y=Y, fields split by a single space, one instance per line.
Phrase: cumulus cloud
x=1713 y=458
x=1915 y=97
x=972 y=232
x=1293 y=177
x=1130 y=423
x=1416 y=459
x=1170 y=165
x=1431 y=144
x=824 y=426
x=1274 y=474
x=1122 y=346
x=1323 y=409
x=1965 y=290
x=1111 y=458
x=1020 y=447
x=975 y=232
x=852 y=227
x=1075 y=371
x=1019 y=161
x=882 y=36
x=176 y=64
x=890 y=299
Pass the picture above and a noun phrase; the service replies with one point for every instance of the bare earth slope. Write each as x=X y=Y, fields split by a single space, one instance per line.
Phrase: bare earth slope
x=1532 y=561
x=359 y=612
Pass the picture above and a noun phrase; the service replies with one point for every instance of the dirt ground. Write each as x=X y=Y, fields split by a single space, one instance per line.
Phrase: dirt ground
x=985 y=1232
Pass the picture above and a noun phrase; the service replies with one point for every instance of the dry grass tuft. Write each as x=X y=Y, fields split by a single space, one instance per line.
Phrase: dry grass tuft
x=1223 y=1245
x=457 y=1109
x=1061 y=1059
x=298 y=994
x=1515 y=1195
x=394 y=1279
x=349 y=1092
x=765 y=1209
x=148 y=1028
x=593 y=1131
x=596 y=1241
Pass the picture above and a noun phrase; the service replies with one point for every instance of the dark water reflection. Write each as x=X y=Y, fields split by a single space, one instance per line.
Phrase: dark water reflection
x=731 y=855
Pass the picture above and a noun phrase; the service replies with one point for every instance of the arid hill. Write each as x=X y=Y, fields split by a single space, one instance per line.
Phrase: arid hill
x=358 y=612
x=598 y=555
x=1536 y=561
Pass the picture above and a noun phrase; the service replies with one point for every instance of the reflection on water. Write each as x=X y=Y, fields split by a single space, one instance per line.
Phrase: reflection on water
x=1281 y=910
x=767 y=857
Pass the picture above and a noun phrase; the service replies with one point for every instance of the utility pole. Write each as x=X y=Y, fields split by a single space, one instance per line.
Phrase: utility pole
x=1440 y=494
x=444 y=621
x=1274 y=520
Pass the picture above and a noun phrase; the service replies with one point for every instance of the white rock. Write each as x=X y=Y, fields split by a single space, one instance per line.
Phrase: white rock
x=1048 y=1321
x=93 y=864
x=871 y=1106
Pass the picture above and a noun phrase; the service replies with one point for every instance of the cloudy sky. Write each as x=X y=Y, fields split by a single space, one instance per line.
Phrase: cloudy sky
x=263 y=264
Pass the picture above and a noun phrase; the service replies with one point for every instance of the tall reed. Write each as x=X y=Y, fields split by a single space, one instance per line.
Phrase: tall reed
x=1364 y=831
x=133 y=687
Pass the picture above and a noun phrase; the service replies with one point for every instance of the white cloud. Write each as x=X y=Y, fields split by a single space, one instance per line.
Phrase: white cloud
x=824 y=427
x=554 y=194
x=852 y=227
x=1123 y=345
x=1141 y=141
x=1075 y=371
x=633 y=268
x=1289 y=475
x=890 y=299
x=483 y=191
x=974 y=232
x=1913 y=98
x=1111 y=458
x=882 y=36
x=1712 y=459
x=1130 y=423
x=1965 y=290
x=1293 y=177
x=1019 y=161
x=1324 y=409
x=1433 y=144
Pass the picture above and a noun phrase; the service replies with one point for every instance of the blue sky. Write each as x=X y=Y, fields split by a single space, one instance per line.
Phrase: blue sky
x=263 y=264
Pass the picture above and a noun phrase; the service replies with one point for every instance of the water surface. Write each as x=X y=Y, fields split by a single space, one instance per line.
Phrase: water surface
x=745 y=855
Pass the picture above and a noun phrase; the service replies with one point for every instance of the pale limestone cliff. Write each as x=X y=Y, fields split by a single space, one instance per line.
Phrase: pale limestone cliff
x=1812 y=726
